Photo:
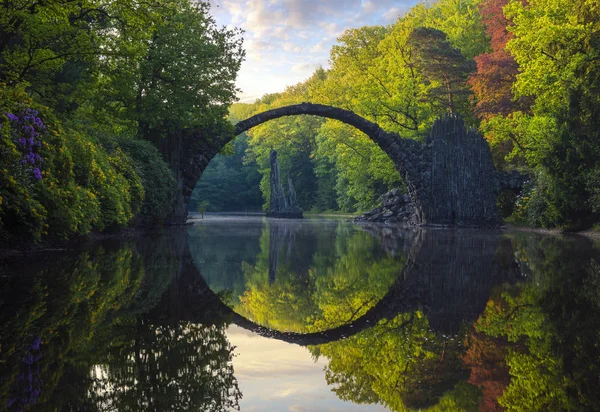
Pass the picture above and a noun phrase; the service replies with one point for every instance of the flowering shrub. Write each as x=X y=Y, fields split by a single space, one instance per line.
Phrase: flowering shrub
x=20 y=210
x=62 y=181
x=27 y=128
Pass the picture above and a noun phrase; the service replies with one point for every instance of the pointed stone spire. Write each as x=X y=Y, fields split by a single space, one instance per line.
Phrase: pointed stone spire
x=280 y=204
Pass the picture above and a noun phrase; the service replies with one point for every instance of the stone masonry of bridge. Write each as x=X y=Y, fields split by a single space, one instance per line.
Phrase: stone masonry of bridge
x=451 y=179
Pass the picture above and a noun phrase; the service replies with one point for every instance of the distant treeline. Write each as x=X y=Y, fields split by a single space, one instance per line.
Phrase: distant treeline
x=526 y=74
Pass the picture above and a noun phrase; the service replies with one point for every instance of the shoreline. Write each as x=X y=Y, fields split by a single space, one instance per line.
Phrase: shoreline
x=55 y=245
x=136 y=232
x=589 y=233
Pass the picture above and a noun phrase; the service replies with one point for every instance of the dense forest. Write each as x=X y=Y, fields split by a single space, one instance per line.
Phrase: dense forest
x=525 y=74
x=94 y=97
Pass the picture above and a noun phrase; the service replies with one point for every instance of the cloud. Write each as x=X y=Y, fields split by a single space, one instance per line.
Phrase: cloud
x=307 y=13
x=286 y=39
x=369 y=7
x=392 y=14
x=259 y=45
x=291 y=47
x=322 y=46
x=303 y=67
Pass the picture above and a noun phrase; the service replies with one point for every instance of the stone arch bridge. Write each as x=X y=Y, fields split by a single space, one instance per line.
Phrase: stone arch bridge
x=450 y=178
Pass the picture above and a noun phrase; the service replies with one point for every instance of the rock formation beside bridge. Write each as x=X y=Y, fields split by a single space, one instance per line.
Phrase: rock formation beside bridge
x=396 y=208
x=457 y=186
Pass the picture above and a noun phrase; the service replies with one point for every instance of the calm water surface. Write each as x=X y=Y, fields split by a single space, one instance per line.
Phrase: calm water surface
x=314 y=315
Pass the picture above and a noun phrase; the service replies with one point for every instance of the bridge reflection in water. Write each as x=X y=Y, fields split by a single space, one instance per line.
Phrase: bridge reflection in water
x=446 y=319
x=448 y=276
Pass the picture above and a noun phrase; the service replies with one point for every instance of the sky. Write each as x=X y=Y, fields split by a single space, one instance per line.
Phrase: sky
x=278 y=376
x=286 y=40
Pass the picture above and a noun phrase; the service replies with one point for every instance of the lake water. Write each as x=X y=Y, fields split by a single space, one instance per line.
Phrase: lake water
x=313 y=315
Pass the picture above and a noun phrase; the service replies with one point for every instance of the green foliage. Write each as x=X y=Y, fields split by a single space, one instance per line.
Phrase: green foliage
x=157 y=179
x=177 y=72
x=333 y=284
x=294 y=140
x=106 y=73
x=85 y=185
x=548 y=325
x=401 y=364
x=375 y=72
x=228 y=184
x=89 y=313
x=18 y=210
x=554 y=43
x=442 y=66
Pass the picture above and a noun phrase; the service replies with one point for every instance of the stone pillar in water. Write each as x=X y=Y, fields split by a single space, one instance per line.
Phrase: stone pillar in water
x=280 y=205
x=278 y=200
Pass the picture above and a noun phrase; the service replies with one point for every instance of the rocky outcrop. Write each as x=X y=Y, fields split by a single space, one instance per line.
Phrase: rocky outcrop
x=513 y=180
x=281 y=205
x=396 y=209
x=463 y=182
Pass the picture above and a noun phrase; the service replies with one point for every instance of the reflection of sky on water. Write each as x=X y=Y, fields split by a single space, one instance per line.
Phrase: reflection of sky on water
x=278 y=376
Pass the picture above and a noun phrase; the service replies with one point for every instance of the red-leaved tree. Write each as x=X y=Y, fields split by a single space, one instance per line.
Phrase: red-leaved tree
x=496 y=71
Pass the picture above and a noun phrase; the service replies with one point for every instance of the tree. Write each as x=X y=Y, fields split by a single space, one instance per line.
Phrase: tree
x=556 y=47
x=443 y=66
x=203 y=206
x=176 y=85
x=294 y=138
x=492 y=85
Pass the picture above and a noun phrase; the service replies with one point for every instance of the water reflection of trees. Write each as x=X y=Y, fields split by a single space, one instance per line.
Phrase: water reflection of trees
x=77 y=333
x=307 y=282
x=533 y=348
x=542 y=335
x=101 y=329
x=400 y=363
x=167 y=368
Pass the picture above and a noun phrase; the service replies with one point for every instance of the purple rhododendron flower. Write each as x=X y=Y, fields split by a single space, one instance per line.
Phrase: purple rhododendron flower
x=26 y=133
x=36 y=343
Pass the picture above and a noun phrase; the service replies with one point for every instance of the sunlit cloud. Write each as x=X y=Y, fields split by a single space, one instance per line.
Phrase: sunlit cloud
x=278 y=376
x=291 y=47
x=393 y=13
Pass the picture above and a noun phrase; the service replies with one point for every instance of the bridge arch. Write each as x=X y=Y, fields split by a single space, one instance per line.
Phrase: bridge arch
x=406 y=154
x=451 y=179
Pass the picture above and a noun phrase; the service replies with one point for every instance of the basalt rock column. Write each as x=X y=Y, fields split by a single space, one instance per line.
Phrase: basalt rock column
x=280 y=205
x=463 y=183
